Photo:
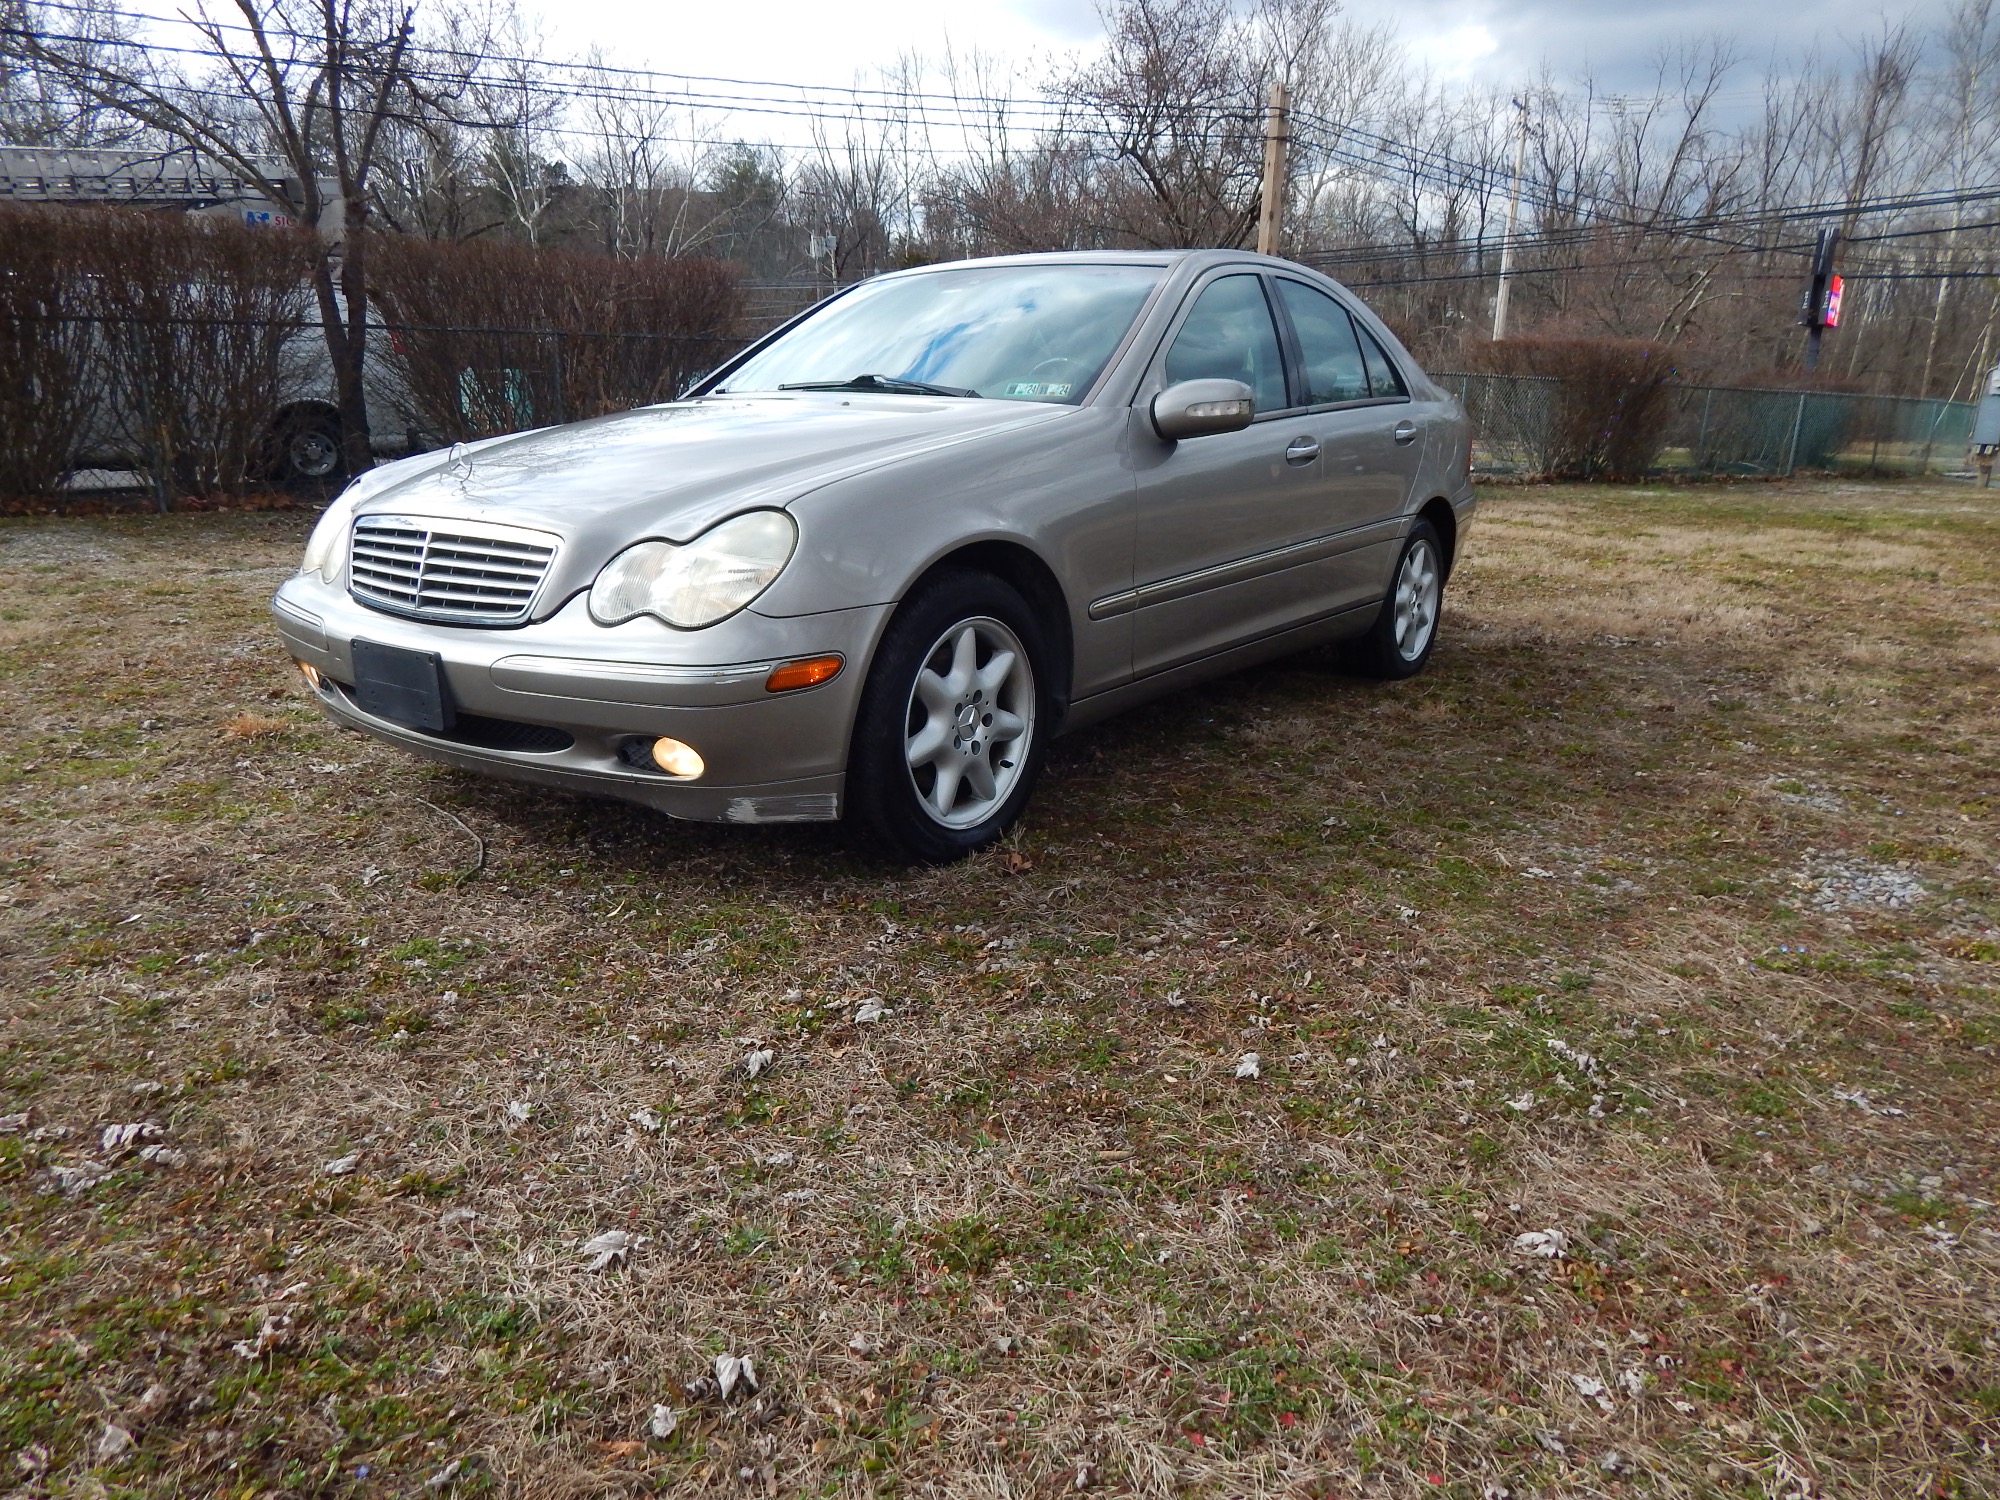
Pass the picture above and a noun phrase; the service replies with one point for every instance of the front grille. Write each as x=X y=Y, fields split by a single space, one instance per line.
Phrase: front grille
x=466 y=572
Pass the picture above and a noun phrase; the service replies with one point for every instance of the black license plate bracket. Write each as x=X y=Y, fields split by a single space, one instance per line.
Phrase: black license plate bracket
x=403 y=686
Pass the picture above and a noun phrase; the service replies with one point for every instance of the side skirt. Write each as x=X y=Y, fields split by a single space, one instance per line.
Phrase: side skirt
x=1321 y=632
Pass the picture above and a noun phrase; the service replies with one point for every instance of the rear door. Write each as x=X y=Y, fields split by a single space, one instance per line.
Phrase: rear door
x=1358 y=408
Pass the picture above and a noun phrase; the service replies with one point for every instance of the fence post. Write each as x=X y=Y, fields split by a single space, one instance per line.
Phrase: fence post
x=1701 y=438
x=1798 y=421
x=1930 y=435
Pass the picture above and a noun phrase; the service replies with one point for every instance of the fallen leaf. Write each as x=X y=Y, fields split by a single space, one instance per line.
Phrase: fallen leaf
x=162 y=1156
x=126 y=1137
x=519 y=1112
x=1549 y=1244
x=444 y=1477
x=1249 y=1065
x=869 y=1010
x=1590 y=1387
x=664 y=1422
x=610 y=1248
x=628 y=1448
x=114 y=1442
x=274 y=1333
x=732 y=1370
x=758 y=1061
x=1522 y=1102
x=342 y=1166
x=646 y=1118
x=864 y=1344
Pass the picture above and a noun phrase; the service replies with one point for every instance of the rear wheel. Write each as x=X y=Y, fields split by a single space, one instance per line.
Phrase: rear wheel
x=948 y=739
x=306 y=448
x=1400 y=641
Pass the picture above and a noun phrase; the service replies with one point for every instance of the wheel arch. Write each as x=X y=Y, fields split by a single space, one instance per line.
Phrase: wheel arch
x=291 y=411
x=1437 y=510
x=1022 y=569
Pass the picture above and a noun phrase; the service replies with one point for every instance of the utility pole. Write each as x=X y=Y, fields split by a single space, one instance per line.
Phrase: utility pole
x=1277 y=131
x=1821 y=308
x=1513 y=215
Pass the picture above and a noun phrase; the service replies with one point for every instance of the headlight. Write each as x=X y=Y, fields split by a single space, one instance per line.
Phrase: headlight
x=707 y=580
x=326 y=548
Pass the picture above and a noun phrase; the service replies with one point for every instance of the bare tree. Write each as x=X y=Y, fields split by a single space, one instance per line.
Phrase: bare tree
x=299 y=101
x=41 y=106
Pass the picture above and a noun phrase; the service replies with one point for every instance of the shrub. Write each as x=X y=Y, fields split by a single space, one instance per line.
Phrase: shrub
x=1599 y=409
x=48 y=356
x=490 y=338
x=196 y=317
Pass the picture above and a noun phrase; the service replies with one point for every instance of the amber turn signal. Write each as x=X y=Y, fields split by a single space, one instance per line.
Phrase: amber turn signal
x=810 y=672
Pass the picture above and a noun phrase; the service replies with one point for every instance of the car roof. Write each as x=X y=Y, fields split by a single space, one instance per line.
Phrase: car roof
x=1161 y=258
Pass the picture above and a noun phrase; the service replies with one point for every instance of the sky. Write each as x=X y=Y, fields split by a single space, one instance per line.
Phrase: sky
x=1502 y=42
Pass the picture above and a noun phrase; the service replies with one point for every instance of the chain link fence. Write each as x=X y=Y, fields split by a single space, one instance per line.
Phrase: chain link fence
x=1730 y=430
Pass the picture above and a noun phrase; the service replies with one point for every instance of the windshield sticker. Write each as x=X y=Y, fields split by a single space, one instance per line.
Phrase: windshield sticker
x=1040 y=390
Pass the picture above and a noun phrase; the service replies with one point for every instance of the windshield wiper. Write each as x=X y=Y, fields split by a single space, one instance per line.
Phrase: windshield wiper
x=889 y=384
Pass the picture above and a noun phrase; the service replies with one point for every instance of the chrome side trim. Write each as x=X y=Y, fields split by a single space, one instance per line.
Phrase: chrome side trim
x=522 y=669
x=1292 y=555
x=301 y=619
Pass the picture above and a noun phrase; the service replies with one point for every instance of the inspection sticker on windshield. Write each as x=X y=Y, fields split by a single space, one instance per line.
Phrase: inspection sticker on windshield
x=1039 y=390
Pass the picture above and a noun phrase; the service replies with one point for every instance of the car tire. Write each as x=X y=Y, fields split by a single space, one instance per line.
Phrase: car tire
x=1401 y=640
x=306 y=448
x=949 y=736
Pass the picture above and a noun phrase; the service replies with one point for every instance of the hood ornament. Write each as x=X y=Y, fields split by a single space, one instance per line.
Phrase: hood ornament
x=459 y=466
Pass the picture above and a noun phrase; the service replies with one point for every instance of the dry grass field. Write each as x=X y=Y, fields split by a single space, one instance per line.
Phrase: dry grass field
x=1624 y=996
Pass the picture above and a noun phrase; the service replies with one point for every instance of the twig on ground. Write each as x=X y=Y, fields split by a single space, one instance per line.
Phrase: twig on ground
x=466 y=876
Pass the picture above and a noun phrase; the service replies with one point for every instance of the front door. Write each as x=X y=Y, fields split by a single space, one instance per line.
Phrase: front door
x=1221 y=517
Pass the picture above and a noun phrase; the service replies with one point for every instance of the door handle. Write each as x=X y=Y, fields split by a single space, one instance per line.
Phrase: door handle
x=1406 y=431
x=1301 y=450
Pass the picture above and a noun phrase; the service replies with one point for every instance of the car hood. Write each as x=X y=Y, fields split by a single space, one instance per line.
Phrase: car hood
x=673 y=471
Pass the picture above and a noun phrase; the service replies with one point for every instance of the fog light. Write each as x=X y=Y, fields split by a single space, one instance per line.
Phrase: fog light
x=312 y=674
x=810 y=672
x=677 y=759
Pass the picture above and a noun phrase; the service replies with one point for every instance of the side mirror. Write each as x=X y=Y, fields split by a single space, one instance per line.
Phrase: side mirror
x=1195 y=408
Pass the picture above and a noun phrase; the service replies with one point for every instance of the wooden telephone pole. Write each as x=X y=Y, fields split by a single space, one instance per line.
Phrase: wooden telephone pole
x=1277 y=131
x=1513 y=216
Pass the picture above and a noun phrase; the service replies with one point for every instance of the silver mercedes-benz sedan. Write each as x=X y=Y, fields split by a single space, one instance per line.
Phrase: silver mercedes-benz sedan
x=869 y=567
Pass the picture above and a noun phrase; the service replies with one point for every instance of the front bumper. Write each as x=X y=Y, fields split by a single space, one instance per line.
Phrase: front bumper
x=770 y=757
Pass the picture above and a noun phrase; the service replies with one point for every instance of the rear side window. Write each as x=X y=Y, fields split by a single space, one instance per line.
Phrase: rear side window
x=1230 y=336
x=1335 y=367
x=1382 y=376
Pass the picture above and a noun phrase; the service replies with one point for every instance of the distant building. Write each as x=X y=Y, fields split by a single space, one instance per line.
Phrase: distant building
x=183 y=179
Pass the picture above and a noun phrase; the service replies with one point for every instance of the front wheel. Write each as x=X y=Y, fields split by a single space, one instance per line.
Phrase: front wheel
x=948 y=739
x=1400 y=641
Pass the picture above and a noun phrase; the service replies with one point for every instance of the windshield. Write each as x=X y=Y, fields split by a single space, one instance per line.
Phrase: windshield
x=1015 y=333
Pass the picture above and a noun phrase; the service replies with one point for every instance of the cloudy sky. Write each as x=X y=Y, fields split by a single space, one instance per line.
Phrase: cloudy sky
x=1504 y=41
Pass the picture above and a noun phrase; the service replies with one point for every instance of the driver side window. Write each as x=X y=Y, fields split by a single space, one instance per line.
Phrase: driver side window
x=1230 y=336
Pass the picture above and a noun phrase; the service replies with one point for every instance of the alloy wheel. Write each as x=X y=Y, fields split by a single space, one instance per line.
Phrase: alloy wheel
x=1417 y=592
x=970 y=722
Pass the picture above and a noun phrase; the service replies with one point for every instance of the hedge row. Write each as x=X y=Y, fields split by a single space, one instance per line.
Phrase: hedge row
x=173 y=344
